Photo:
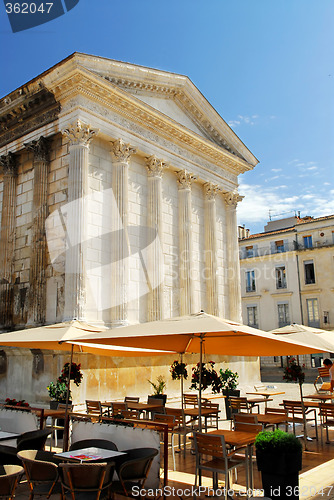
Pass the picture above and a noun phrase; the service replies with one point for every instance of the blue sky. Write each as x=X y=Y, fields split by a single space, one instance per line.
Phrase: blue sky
x=266 y=66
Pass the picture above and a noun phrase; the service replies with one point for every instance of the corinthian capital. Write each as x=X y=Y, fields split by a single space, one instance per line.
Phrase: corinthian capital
x=121 y=151
x=185 y=179
x=232 y=199
x=79 y=134
x=40 y=148
x=8 y=164
x=211 y=190
x=155 y=166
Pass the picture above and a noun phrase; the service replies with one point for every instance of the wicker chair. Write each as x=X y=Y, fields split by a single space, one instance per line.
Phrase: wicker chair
x=41 y=472
x=90 y=481
x=10 y=476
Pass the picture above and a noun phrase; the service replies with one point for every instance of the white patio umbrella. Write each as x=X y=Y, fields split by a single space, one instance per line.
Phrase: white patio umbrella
x=324 y=339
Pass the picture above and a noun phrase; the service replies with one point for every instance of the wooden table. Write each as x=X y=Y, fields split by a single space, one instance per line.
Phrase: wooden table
x=240 y=439
x=267 y=395
x=271 y=419
x=193 y=413
x=44 y=413
x=319 y=397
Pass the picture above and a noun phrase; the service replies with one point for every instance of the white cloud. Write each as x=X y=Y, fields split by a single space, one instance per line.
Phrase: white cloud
x=276 y=170
x=258 y=200
x=312 y=168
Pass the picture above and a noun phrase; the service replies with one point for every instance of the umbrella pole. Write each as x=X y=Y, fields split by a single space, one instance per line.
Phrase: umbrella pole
x=200 y=386
x=66 y=426
x=182 y=384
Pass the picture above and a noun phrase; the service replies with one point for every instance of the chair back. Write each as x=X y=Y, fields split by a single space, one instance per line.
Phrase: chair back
x=293 y=407
x=276 y=411
x=39 y=471
x=94 y=409
x=206 y=444
x=117 y=408
x=190 y=400
x=9 y=478
x=239 y=404
x=85 y=478
x=326 y=412
x=164 y=419
x=95 y=443
x=248 y=427
x=178 y=415
x=136 y=466
x=247 y=418
x=323 y=372
x=131 y=399
x=33 y=440
x=131 y=413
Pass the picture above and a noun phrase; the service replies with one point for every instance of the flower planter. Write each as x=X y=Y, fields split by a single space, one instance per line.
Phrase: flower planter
x=160 y=396
x=280 y=473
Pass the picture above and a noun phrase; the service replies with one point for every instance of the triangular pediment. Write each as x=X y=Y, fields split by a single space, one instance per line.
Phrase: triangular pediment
x=172 y=95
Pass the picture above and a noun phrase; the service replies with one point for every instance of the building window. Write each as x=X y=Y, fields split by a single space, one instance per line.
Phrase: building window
x=279 y=246
x=307 y=241
x=309 y=272
x=252 y=316
x=280 y=277
x=313 y=312
x=283 y=315
x=250 y=281
x=326 y=317
x=250 y=251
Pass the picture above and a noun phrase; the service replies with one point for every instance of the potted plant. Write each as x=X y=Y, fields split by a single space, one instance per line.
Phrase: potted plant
x=229 y=380
x=178 y=370
x=21 y=404
x=159 y=386
x=279 y=459
x=58 y=391
x=293 y=372
x=209 y=377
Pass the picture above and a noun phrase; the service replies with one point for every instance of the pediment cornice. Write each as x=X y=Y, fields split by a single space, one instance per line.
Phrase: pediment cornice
x=83 y=82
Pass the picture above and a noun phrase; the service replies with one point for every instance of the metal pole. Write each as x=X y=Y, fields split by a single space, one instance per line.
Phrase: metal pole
x=200 y=386
x=66 y=419
x=182 y=384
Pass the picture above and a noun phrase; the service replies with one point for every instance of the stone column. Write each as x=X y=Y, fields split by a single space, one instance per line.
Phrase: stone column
x=79 y=135
x=210 y=226
x=185 y=180
x=120 y=250
x=38 y=259
x=7 y=238
x=233 y=274
x=155 y=253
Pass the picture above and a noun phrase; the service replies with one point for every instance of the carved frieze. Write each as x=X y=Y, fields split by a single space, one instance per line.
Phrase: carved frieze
x=121 y=152
x=155 y=166
x=26 y=112
x=185 y=179
x=79 y=134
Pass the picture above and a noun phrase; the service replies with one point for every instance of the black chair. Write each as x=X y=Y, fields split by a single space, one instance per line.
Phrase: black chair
x=41 y=470
x=86 y=481
x=32 y=440
x=132 y=469
x=10 y=475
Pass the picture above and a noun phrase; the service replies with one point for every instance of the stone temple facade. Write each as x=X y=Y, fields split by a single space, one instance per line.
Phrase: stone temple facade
x=118 y=196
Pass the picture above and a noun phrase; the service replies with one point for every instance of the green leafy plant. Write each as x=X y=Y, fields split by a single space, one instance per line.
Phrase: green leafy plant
x=277 y=441
x=58 y=391
x=178 y=370
x=159 y=386
x=228 y=379
x=209 y=377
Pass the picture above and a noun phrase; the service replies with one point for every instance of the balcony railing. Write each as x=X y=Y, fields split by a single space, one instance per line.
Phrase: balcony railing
x=247 y=253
